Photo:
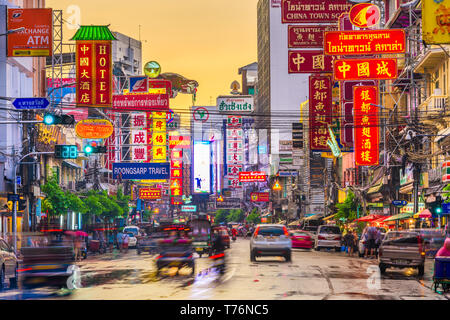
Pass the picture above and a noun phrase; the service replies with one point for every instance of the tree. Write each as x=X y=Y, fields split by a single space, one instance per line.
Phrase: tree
x=123 y=201
x=348 y=209
x=254 y=217
x=236 y=215
x=447 y=194
x=55 y=202
x=221 y=216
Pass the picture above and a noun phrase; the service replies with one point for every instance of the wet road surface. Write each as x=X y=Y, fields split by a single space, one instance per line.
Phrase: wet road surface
x=324 y=275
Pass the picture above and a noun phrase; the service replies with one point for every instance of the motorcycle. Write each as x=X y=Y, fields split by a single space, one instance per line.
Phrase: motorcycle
x=218 y=262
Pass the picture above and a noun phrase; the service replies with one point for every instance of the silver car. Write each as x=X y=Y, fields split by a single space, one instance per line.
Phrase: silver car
x=328 y=237
x=270 y=240
x=8 y=265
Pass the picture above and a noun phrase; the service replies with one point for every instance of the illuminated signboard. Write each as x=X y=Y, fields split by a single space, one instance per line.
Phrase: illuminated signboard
x=94 y=129
x=252 y=176
x=37 y=38
x=366 y=125
x=141 y=102
x=309 y=62
x=435 y=21
x=364 y=42
x=260 y=197
x=307 y=11
x=202 y=167
x=150 y=194
x=307 y=36
x=364 y=15
x=94 y=73
x=181 y=142
x=320 y=107
x=362 y=69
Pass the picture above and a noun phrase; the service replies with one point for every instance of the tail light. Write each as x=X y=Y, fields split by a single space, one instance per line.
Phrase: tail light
x=256 y=232
x=321 y=238
x=286 y=232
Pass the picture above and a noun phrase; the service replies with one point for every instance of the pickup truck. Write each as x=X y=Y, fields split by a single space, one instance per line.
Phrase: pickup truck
x=402 y=249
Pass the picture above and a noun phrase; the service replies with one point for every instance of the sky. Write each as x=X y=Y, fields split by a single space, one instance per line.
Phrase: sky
x=203 y=40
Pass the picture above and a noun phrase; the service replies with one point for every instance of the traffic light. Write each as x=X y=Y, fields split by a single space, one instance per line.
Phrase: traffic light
x=438 y=210
x=53 y=119
x=66 y=152
x=94 y=148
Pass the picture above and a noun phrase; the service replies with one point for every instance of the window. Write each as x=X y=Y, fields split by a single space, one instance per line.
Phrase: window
x=270 y=231
x=330 y=230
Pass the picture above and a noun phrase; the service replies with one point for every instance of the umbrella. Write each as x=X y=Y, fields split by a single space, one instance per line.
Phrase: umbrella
x=368 y=218
x=423 y=214
x=81 y=234
x=71 y=233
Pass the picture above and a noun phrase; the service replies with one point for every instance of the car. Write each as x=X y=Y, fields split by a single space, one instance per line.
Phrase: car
x=362 y=242
x=311 y=229
x=301 y=239
x=223 y=232
x=133 y=229
x=132 y=240
x=402 y=249
x=8 y=266
x=328 y=237
x=433 y=240
x=270 y=240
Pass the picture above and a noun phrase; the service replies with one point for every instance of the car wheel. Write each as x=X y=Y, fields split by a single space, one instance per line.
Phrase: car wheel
x=252 y=256
x=382 y=268
x=317 y=248
x=421 y=270
x=337 y=249
x=200 y=255
x=288 y=257
x=14 y=281
x=2 y=278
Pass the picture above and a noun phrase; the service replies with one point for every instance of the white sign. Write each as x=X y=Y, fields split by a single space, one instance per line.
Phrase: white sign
x=202 y=167
x=235 y=104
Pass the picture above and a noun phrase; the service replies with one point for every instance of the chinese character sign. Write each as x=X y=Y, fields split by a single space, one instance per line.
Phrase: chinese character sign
x=139 y=142
x=307 y=36
x=307 y=11
x=360 y=69
x=320 y=106
x=366 y=125
x=94 y=73
x=309 y=62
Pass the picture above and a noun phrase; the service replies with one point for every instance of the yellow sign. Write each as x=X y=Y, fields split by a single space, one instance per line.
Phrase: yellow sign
x=94 y=129
x=277 y=186
x=159 y=138
x=436 y=21
x=159 y=153
x=327 y=155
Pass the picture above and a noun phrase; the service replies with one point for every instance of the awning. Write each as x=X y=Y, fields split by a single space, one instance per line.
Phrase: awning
x=295 y=223
x=329 y=217
x=434 y=189
x=423 y=214
x=369 y=218
x=400 y=216
x=314 y=217
x=375 y=188
x=282 y=222
x=71 y=164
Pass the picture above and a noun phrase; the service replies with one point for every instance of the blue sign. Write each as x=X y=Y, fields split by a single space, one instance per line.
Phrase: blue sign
x=30 y=103
x=139 y=84
x=138 y=171
x=399 y=203
x=262 y=149
x=18 y=180
x=288 y=174
x=445 y=208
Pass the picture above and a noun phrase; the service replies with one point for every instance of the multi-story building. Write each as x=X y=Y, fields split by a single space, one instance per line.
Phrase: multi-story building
x=127 y=54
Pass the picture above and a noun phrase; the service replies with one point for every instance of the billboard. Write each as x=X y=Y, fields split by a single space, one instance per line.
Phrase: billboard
x=94 y=129
x=364 y=42
x=238 y=104
x=366 y=125
x=307 y=36
x=309 y=62
x=253 y=176
x=202 y=167
x=139 y=171
x=365 y=69
x=141 y=102
x=37 y=38
x=150 y=194
x=260 y=197
x=307 y=11
x=435 y=22
x=320 y=110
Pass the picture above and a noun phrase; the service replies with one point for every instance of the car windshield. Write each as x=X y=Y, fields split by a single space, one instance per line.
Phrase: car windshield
x=134 y=231
x=270 y=231
x=330 y=230
x=395 y=235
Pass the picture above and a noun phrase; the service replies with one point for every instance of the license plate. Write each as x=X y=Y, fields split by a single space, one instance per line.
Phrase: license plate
x=198 y=249
x=401 y=261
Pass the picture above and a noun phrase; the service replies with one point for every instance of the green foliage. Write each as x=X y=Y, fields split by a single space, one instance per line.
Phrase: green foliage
x=236 y=215
x=447 y=194
x=55 y=202
x=221 y=216
x=254 y=217
x=348 y=209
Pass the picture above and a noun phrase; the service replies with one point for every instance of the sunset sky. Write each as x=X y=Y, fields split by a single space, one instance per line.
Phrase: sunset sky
x=204 y=40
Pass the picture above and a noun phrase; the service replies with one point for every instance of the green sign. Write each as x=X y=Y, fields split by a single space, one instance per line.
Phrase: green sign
x=333 y=144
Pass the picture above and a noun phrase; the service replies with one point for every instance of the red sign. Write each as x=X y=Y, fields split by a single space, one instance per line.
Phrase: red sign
x=252 y=176
x=364 y=42
x=320 y=111
x=365 y=15
x=160 y=84
x=37 y=38
x=94 y=73
x=306 y=11
x=307 y=36
x=182 y=142
x=150 y=194
x=366 y=125
x=309 y=62
x=141 y=102
x=260 y=197
x=362 y=69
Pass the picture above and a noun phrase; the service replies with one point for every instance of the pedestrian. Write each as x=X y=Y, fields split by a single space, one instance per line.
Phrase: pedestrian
x=445 y=250
x=119 y=241
x=111 y=241
x=77 y=248
x=370 y=242
x=349 y=240
x=125 y=239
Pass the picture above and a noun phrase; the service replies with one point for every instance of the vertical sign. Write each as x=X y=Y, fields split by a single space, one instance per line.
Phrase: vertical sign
x=366 y=125
x=94 y=73
x=176 y=173
x=202 y=167
x=320 y=107
x=159 y=137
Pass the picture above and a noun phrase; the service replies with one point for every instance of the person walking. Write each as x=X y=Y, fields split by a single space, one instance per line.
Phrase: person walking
x=77 y=248
x=349 y=240
x=125 y=239
x=120 y=241
x=111 y=241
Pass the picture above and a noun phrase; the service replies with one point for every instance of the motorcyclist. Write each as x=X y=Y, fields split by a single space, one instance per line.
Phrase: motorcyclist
x=234 y=233
x=218 y=248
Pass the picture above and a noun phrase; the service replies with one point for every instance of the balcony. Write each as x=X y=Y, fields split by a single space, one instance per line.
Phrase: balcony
x=429 y=58
x=434 y=105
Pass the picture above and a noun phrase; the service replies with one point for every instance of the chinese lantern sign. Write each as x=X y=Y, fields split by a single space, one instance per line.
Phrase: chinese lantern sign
x=176 y=173
x=320 y=107
x=361 y=69
x=366 y=125
x=94 y=73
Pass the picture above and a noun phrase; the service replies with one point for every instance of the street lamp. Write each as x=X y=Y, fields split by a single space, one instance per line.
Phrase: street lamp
x=13 y=31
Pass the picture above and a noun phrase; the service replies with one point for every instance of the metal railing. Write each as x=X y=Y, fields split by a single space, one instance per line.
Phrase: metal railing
x=433 y=104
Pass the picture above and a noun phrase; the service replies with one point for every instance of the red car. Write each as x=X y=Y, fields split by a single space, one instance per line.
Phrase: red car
x=301 y=239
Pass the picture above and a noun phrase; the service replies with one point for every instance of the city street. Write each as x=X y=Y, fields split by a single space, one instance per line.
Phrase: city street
x=310 y=276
